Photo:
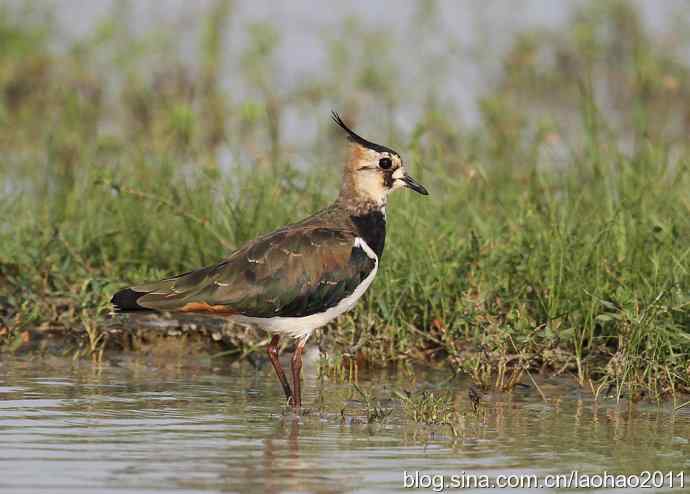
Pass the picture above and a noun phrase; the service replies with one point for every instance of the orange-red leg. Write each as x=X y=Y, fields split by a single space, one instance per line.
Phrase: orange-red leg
x=273 y=356
x=297 y=374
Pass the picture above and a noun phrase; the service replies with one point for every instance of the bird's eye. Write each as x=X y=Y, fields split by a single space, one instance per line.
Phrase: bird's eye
x=385 y=163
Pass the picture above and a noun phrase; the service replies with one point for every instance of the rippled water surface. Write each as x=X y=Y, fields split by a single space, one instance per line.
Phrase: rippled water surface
x=195 y=425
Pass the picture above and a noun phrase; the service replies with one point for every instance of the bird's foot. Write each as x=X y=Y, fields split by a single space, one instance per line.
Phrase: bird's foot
x=295 y=409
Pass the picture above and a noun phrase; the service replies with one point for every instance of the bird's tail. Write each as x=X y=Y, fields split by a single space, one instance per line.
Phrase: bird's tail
x=126 y=300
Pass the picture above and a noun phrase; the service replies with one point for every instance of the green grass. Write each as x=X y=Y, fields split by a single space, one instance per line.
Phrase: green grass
x=548 y=241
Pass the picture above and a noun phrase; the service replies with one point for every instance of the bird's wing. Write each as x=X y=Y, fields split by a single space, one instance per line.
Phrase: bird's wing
x=292 y=272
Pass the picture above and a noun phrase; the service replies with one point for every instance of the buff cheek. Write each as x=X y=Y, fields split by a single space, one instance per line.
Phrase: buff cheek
x=396 y=178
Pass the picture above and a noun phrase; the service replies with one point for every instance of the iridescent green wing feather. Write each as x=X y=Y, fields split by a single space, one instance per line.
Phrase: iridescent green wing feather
x=293 y=272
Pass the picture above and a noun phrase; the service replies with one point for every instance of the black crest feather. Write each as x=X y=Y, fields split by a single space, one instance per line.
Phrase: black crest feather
x=356 y=138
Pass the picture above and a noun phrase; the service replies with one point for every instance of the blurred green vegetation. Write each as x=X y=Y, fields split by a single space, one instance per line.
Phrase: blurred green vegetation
x=557 y=235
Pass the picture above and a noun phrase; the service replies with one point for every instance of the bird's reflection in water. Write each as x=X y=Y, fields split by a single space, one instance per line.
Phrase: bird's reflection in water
x=286 y=464
x=281 y=457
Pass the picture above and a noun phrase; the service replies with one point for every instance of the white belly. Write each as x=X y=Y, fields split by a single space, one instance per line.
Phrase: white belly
x=301 y=327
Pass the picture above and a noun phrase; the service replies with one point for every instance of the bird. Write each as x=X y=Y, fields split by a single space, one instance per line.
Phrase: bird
x=298 y=278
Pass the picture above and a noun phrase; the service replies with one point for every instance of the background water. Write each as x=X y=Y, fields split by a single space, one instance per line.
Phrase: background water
x=460 y=57
x=185 y=425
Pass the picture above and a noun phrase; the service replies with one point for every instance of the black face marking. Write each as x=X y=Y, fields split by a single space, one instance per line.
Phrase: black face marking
x=359 y=139
x=388 y=179
x=371 y=227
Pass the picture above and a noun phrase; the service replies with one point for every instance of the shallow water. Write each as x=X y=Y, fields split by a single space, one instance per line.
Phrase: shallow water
x=194 y=425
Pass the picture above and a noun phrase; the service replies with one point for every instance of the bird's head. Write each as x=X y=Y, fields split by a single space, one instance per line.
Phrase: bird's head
x=372 y=171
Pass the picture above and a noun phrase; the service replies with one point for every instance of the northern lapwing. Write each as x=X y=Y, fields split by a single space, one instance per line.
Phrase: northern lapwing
x=299 y=277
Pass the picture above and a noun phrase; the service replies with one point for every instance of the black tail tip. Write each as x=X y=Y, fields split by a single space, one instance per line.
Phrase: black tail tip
x=126 y=300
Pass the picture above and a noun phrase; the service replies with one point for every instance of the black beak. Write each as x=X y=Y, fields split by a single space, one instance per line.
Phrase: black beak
x=411 y=183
